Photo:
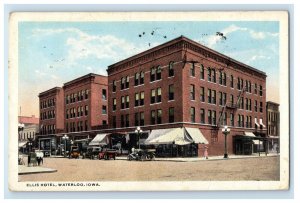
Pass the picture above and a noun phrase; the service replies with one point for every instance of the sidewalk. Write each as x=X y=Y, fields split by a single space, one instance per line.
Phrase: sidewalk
x=212 y=158
x=24 y=170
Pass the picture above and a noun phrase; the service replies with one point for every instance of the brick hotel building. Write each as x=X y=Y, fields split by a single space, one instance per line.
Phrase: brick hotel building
x=76 y=109
x=182 y=84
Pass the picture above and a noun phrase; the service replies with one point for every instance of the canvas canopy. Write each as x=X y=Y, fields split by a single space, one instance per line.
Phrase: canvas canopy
x=196 y=135
x=100 y=139
x=178 y=136
x=249 y=134
x=22 y=144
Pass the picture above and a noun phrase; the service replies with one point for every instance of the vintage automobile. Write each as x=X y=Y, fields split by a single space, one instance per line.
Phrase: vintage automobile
x=142 y=155
x=91 y=152
x=74 y=152
x=108 y=154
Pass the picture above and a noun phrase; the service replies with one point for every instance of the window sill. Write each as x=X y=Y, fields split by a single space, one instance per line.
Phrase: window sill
x=155 y=81
x=124 y=109
x=138 y=85
x=171 y=76
x=155 y=103
x=171 y=100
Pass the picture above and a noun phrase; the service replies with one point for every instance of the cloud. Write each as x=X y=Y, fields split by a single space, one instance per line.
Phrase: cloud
x=258 y=57
x=214 y=39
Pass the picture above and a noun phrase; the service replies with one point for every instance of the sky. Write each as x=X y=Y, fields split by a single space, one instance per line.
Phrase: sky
x=52 y=53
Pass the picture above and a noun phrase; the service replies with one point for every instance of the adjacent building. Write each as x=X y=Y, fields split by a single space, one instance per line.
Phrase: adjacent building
x=186 y=88
x=273 y=124
x=76 y=110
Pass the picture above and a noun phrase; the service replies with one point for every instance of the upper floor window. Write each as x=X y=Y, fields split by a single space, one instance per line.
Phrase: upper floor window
x=255 y=88
x=171 y=69
x=142 y=118
x=260 y=90
x=209 y=74
x=127 y=101
x=213 y=75
x=122 y=102
x=123 y=83
x=104 y=109
x=202 y=94
x=222 y=78
x=137 y=99
x=127 y=82
x=86 y=110
x=202 y=72
x=152 y=74
x=114 y=86
x=86 y=94
x=142 y=97
x=192 y=113
x=171 y=92
x=153 y=112
x=192 y=92
x=231 y=119
x=114 y=104
x=142 y=78
x=159 y=113
x=104 y=96
x=158 y=73
x=158 y=97
x=192 y=70
x=231 y=81
x=136 y=79
x=260 y=107
x=152 y=96
x=202 y=115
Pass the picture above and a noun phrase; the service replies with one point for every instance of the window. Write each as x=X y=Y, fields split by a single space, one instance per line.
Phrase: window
x=158 y=73
x=239 y=121
x=127 y=101
x=242 y=84
x=152 y=96
x=78 y=111
x=141 y=78
x=142 y=119
x=152 y=74
x=202 y=94
x=213 y=75
x=209 y=96
x=79 y=96
x=220 y=98
x=159 y=113
x=171 y=92
x=81 y=111
x=67 y=100
x=231 y=81
x=213 y=96
x=82 y=95
x=202 y=72
x=114 y=86
x=136 y=119
x=114 y=104
x=67 y=114
x=231 y=119
x=242 y=102
x=242 y=120
x=249 y=86
x=255 y=105
x=127 y=120
x=74 y=113
x=122 y=121
x=255 y=88
x=104 y=109
x=153 y=117
x=260 y=107
x=238 y=84
x=86 y=94
x=104 y=122
x=192 y=113
x=213 y=115
x=122 y=102
x=260 y=91
x=247 y=122
x=158 y=98
x=114 y=122
x=192 y=92
x=142 y=96
x=86 y=110
x=224 y=79
x=171 y=69
x=171 y=115
x=104 y=94
x=220 y=77
x=209 y=117
x=209 y=74
x=127 y=82
x=137 y=98
x=250 y=121
x=192 y=70
x=202 y=116
x=224 y=97
x=67 y=127
x=136 y=79
x=122 y=83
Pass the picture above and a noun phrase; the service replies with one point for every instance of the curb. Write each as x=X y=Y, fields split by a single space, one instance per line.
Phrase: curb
x=36 y=172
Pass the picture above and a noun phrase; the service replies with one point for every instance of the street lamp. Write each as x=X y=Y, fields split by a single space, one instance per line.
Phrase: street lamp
x=225 y=131
x=138 y=131
x=65 y=138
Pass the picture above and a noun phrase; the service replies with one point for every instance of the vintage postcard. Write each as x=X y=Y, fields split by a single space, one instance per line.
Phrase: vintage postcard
x=148 y=101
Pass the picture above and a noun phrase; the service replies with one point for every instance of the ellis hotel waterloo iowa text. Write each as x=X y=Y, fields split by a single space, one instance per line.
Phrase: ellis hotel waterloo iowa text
x=180 y=93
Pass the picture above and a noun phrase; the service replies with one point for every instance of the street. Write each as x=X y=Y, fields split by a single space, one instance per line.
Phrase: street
x=259 y=168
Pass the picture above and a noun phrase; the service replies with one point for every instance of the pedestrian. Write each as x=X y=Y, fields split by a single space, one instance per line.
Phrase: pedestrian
x=206 y=152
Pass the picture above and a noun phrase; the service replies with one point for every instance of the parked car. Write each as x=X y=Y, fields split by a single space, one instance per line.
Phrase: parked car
x=91 y=152
x=74 y=153
x=108 y=154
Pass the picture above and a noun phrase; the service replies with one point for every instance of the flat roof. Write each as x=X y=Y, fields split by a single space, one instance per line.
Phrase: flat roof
x=183 y=38
x=82 y=78
x=54 y=89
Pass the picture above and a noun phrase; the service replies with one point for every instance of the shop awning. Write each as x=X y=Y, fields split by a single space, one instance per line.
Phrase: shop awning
x=249 y=134
x=22 y=144
x=168 y=136
x=100 y=139
x=196 y=135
